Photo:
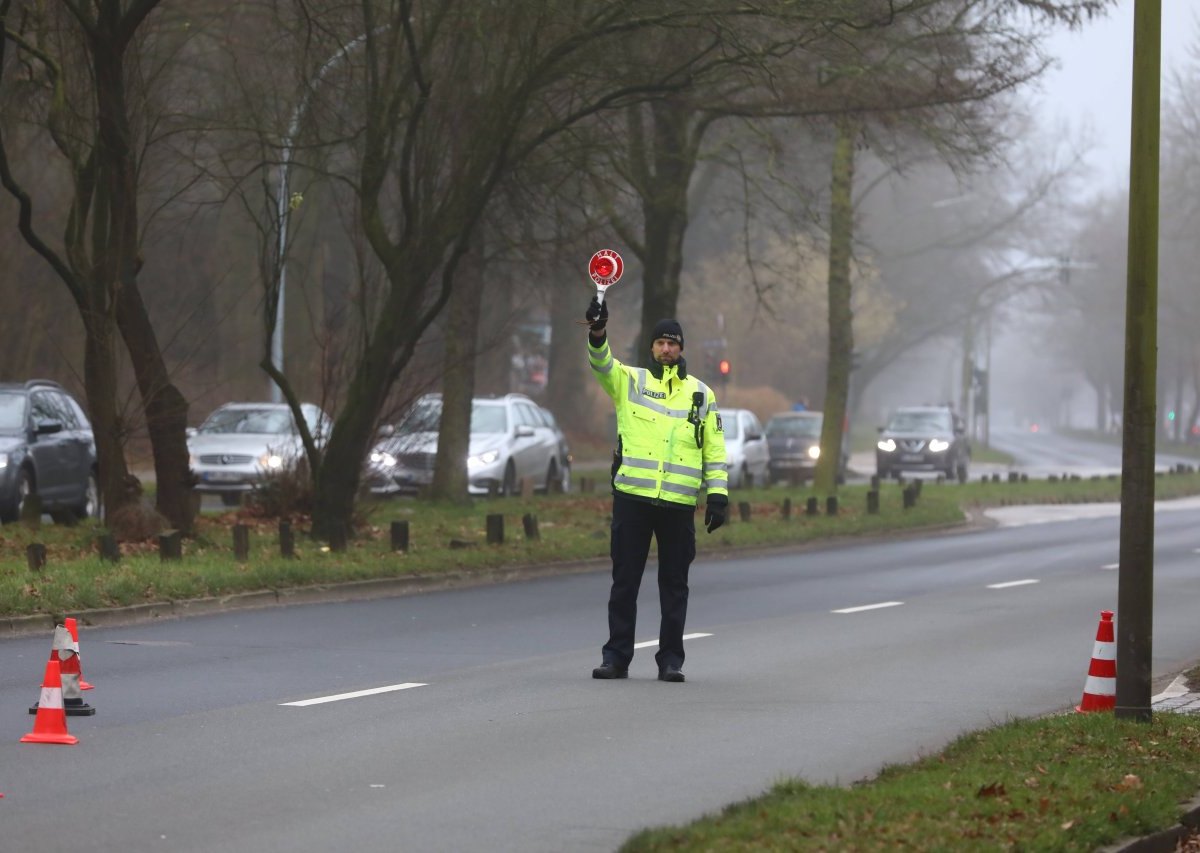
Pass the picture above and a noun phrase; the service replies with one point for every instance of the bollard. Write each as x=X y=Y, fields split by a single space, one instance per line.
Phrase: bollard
x=241 y=543
x=495 y=529
x=531 y=526
x=170 y=545
x=400 y=536
x=35 y=555
x=910 y=498
x=872 y=502
x=831 y=505
x=287 y=540
x=786 y=509
x=110 y=549
x=744 y=510
x=810 y=507
x=1014 y=477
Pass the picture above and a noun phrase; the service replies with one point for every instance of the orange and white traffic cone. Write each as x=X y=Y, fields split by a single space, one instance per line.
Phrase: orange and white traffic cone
x=1100 y=689
x=74 y=629
x=50 y=725
x=62 y=651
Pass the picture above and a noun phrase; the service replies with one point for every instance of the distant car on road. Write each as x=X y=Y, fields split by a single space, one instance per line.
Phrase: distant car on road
x=923 y=438
x=240 y=444
x=794 y=441
x=746 y=455
x=46 y=449
x=510 y=440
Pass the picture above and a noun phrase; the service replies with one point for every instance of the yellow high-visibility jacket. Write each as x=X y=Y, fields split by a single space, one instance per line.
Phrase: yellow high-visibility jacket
x=660 y=460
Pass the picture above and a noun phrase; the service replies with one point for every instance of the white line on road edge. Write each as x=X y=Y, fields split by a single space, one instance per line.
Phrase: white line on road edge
x=869 y=607
x=1111 y=567
x=391 y=688
x=650 y=643
x=1007 y=584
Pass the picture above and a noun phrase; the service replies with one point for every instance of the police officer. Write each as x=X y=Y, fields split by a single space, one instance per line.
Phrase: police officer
x=669 y=446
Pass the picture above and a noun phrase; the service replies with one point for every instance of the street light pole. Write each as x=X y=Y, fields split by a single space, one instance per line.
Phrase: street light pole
x=285 y=205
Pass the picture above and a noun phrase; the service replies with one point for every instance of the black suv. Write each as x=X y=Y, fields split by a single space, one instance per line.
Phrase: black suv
x=47 y=449
x=923 y=438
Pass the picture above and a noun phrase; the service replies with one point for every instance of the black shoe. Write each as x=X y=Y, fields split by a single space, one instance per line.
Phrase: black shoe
x=670 y=672
x=610 y=670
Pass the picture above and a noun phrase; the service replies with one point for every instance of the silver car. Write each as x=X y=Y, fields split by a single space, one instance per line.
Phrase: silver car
x=240 y=444
x=510 y=441
x=746 y=453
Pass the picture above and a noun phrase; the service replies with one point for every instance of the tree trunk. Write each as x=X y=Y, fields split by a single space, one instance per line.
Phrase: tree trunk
x=100 y=385
x=458 y=381
x=841 y=319
x=665 y=213
x=166 y=412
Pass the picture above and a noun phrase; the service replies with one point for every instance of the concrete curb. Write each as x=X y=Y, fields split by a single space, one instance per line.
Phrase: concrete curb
x=1166 y=841
x=11 y=626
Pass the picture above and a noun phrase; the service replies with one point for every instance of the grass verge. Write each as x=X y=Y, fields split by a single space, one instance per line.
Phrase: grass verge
x=448 y=539
x=1072 y=782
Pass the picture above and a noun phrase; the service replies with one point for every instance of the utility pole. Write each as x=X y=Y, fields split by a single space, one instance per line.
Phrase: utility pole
x=1135 y=593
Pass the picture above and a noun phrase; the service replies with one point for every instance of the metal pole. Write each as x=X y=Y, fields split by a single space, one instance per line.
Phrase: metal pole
x=284 y=204
x=1135 y=588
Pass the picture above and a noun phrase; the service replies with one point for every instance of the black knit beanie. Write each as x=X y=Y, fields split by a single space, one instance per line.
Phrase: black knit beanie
x=669 y=329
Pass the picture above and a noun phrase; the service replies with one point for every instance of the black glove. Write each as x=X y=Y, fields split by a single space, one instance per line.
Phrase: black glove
x=597 y=315
x=714 y=512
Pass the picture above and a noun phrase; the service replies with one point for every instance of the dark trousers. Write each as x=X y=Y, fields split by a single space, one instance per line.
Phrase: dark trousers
x=634 y=522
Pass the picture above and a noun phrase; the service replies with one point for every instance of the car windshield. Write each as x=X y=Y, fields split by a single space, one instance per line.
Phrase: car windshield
x=424 y=416
x=12 y=412
x=920 y=422
x=254 y=421
x=796 y=427
x=488 y=418
x=730 y=426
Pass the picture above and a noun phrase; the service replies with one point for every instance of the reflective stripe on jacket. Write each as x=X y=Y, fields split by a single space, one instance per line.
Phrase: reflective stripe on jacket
x=660 y=460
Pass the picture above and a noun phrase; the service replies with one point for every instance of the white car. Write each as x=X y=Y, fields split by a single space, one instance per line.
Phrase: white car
x=510 y=441
x=746 y=454
x=240 y=444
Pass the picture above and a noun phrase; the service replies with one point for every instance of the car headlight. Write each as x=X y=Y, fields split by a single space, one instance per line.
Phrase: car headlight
x=888 y=445
x=937 y=445
x=483 y=459
x=383 y=459
x=3 y=460
x=272 y=461
x=814 y=452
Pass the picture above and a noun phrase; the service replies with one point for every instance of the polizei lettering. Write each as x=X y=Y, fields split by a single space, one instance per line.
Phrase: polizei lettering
x=657 y=395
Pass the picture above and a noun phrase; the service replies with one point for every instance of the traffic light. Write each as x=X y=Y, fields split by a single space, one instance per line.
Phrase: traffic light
x=723 y=369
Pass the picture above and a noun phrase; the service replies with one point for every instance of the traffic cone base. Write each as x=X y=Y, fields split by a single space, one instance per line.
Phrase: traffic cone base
x=1100 y=689
x=50 y=725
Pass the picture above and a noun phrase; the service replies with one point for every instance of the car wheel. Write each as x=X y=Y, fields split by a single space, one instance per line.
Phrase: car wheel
x=25 y=488
x=566 y=479
x=551 y=476
x=508 y=487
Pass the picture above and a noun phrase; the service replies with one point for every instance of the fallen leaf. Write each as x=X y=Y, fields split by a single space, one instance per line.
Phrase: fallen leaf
x=1129 y=783
x=996 y=789
x=1068 y=824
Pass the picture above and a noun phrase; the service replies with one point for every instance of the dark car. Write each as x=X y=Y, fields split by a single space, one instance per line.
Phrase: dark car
x=46 y=449
x=794 y=445
x=923 y=438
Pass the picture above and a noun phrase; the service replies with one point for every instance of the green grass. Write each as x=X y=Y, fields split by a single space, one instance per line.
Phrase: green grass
x=1072 y=782
x=572 y=528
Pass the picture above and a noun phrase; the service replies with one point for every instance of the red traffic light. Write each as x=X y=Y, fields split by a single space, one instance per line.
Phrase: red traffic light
x=723 y=367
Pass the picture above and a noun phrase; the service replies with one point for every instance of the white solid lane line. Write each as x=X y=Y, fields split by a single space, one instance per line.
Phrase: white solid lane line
x=1007 y=584
x=320 y=700
x=869 y=607
x=650 y=643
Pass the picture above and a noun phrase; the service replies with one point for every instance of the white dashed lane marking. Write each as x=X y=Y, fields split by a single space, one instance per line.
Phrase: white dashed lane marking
x=651 y=643
x=357 y=694
x=1007 y=584
x=869 y=607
